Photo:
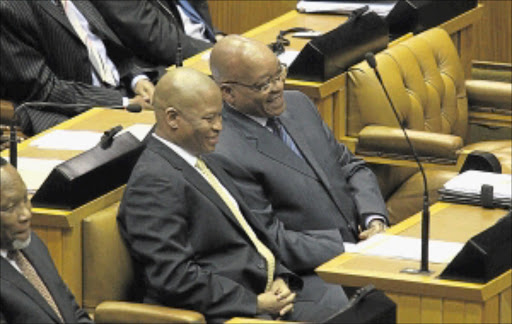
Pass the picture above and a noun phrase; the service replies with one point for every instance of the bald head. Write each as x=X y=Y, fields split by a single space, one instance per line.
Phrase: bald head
x=188 y=107
x=234 y=55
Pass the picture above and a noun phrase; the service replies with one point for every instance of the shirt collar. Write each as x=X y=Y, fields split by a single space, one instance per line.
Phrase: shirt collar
x=189 y=158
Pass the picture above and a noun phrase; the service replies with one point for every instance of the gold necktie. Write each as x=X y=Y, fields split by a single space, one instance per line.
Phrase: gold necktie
x=30 y=273
x=262 y=249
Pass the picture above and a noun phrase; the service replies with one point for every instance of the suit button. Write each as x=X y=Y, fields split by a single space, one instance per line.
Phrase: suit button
x=261 y=265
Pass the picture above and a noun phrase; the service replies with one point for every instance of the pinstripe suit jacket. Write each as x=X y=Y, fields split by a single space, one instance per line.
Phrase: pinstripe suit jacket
x=43 y=59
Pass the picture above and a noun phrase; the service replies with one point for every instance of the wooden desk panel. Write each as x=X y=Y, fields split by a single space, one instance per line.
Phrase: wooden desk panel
x=425 y=298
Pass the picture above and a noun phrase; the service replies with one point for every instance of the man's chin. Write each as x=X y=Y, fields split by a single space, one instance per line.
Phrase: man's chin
x=21 y=244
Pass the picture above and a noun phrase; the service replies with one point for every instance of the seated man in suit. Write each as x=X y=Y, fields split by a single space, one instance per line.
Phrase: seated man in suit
x=150 y=28
x=284 y=159
x=189 y=232
x=31 y=290
x=63 y=51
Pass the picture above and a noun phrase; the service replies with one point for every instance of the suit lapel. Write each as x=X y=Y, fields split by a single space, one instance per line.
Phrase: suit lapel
x=59 y=15
x=9 y=273
x=192 y=176
x=266 y=143
x=96 y=22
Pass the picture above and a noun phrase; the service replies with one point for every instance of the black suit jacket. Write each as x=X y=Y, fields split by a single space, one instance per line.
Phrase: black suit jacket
x=330 y=189
x=43 y=59
x=22 y=303
x=189 y=246
x=147 y=29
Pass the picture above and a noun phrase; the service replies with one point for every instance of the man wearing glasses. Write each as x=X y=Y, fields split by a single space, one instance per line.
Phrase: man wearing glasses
x=285 y=159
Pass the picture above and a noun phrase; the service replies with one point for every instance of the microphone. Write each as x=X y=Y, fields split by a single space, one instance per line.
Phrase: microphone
x=179 y=55
x=425 y=216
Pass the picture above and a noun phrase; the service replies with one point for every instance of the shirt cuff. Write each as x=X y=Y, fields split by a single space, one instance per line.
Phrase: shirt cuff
x=136 y=79
x=126 y=102
x=370 y=218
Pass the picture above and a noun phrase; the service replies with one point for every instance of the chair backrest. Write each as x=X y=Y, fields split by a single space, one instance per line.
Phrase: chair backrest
x=107 y=266
x=425 y=80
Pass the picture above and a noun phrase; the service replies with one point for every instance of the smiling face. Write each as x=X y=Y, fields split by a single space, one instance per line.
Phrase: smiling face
x=242 y=67
x=15 y=208
x=199 y=125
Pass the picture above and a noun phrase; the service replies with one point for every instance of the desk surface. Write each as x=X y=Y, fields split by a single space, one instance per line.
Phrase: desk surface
x=449 y=222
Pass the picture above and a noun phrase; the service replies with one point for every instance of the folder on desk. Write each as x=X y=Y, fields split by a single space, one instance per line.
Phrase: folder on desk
x=466 y=188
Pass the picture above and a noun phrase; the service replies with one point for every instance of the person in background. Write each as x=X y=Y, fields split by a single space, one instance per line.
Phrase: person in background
x=31 y=290
x=62 y=51
x=286 y=161
x=151 y=32
x=190 y=232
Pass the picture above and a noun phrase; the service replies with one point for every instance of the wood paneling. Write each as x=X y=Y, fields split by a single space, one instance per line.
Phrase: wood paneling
x=494 y=32
x=238 y=16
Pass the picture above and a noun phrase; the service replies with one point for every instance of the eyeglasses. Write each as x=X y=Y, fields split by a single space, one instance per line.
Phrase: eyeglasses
x=265 y=87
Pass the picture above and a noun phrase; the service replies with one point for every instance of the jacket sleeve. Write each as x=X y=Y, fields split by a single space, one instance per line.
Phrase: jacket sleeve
x=25 y=74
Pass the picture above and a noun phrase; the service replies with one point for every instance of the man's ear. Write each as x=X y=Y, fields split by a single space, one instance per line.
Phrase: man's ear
x=172 y=117
x=227 y=94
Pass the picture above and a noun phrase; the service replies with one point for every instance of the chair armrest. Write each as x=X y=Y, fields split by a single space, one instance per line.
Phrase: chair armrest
x=383 y=140
x=126 y=312
x=489 y=96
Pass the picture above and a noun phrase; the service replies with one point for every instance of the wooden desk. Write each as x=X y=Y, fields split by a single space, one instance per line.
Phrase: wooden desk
x=425 y=298
x=61 y=229
x=330 y=96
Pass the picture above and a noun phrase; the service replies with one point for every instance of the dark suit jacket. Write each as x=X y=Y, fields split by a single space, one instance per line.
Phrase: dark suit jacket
x=191 y=249
x=149 y=32
x=22 y=303
x=331 y=188
x=43 y=59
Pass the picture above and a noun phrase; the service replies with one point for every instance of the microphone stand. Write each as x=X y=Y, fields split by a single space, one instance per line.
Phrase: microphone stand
x=179 y=54
x=425 y=215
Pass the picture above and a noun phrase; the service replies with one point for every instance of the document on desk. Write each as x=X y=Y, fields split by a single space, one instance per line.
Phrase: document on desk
x=75 y=140
x=140 y=131
x=35 y=171
x=382 y=8
x=408 y=248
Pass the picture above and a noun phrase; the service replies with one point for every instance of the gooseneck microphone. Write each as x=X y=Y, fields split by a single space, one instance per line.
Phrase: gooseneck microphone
x=425 y=216
x=168 y=12
x=69 y=110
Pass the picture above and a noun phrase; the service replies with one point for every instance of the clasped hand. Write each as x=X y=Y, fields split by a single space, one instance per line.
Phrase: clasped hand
x=144 y=90
x=278 y=300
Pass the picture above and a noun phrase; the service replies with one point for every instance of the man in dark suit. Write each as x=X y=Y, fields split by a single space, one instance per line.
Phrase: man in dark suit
x=63 y=51
x=284 y=159
x=190 y=233
x=148 y=29
x=22 y=296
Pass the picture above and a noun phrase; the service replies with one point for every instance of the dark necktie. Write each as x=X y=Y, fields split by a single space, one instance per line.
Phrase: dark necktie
x=197 y=19
x=30 y=273
x=277 y=128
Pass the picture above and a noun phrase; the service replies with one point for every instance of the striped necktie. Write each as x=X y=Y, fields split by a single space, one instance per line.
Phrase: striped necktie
x=277 y=128
x=263 y=250
x=30 y=273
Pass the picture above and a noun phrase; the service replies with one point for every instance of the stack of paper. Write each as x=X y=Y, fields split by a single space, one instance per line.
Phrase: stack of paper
x=382 y=8
x=466 y=188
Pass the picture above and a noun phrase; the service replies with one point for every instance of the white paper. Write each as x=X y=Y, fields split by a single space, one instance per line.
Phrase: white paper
x=68 y=140
x=288 y=57
x=471 y=182
x=138 y=130
x=35 y=171
x=382 y=8
x=408 y=248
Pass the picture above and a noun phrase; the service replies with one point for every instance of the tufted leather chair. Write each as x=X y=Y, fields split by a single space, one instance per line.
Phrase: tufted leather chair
x=108 y=277
x=425 y=80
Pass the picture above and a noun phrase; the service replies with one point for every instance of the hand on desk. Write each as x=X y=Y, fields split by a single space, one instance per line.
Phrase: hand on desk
x=139 y=100
x=278 y=300
x=376 y=226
